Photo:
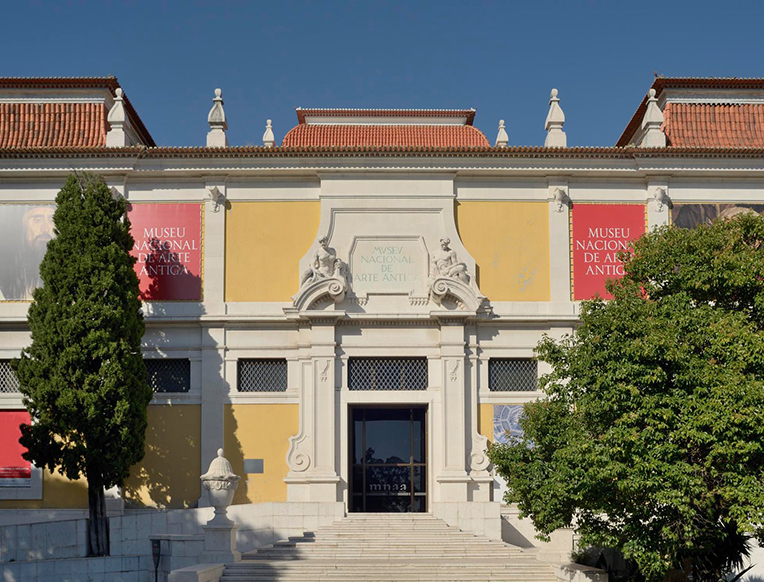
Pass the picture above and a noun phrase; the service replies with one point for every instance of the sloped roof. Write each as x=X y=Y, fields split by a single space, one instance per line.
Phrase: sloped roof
x=382 y=128
x=418 y=136
x=303 y=113
x=697 y=116
x=720 y=125
x=53 y=124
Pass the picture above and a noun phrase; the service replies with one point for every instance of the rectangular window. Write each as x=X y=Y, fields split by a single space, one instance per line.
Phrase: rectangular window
x=262 y=375
x=9 y=384
x=512 y=375
x=387 y=374
x=169 y=374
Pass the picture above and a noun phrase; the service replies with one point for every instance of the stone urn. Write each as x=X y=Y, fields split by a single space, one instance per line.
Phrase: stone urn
x=221 y=484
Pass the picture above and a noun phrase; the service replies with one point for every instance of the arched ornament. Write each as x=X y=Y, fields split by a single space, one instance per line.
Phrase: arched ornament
x=325 y=279
x=451 y=285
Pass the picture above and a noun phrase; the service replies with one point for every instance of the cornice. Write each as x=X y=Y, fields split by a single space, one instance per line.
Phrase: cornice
x=380 y=152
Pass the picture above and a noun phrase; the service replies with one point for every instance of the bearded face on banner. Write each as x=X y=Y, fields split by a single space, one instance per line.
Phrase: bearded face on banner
x=26 y=231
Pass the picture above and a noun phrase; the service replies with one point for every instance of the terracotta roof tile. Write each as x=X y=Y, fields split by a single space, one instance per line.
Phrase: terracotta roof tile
x=52 y=125
x=661 y=83
x=417 y=136
x=714 y=125
x=110 y=83
x=302 y=113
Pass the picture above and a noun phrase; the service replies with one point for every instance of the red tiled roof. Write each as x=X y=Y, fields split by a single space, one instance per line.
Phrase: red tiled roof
x=714 y=125
x=661 y=83
x=52 y=124
x=520 y=152
x=417 y=136
x=302 y=113
x=48 y=139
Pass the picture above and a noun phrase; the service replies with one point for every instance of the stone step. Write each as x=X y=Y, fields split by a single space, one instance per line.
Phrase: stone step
x=368 y=547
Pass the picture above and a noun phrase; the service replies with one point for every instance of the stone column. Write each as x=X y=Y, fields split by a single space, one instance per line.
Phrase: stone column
x=312 y=455
x=215 y=213
x=559 y=241
x=452 y=476
x=478 y=462
x=213 y=381
x=213 y=394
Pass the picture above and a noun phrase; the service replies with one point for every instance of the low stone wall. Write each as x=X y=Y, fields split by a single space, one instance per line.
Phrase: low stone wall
x=482 y=519
x=27 y=547
x=43 y=541
x=520 y=532
x=109 y=569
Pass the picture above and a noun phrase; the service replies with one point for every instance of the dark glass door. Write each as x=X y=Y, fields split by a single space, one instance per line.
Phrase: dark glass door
x=389 y=460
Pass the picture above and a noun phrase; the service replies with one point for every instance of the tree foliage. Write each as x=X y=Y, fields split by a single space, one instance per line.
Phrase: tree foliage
x=651 y=436
x=83 y=378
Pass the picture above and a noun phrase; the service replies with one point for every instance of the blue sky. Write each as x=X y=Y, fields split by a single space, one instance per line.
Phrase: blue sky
x=501 y=58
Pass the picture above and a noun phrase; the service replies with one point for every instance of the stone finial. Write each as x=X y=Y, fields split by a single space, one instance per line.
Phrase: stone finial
x=555 y=119
x=216 y=138
x=117 y=118
x=653 y=137
x=220 y=532
x=221 y=482
x=268 y=139
x=502 y=139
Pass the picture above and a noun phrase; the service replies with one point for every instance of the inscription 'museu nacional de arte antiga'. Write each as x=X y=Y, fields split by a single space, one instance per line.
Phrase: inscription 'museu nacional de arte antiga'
x=388 y=266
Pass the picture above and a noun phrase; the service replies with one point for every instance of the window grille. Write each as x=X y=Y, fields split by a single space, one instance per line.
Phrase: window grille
x=262 y=375
x=387 y=374
x=169 y=374
x=512 y=375
x=9 y=384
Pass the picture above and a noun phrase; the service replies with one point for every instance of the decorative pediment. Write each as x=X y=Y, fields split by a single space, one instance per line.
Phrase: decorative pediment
x=325 y=279
x=453 y=293
x=313 y=294
x=451 y=285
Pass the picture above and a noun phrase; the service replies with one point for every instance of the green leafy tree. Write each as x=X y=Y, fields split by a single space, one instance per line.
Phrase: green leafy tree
x=83 y=378
x=650 y=438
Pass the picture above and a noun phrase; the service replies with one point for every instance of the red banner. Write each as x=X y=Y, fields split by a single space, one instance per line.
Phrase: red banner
x=600 y=231
x=168 y=246
x=12 y=466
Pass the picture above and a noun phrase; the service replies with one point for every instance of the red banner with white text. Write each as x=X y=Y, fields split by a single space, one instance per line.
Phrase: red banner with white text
x=168 y=246
x=14 y=470
x=600 y=231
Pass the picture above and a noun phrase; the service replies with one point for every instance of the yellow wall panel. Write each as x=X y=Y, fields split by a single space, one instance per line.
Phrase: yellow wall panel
x=510 y=243
x=168 y=475
x=260 y=431
x=264 y=244
x=485 y=421
x=57 y=493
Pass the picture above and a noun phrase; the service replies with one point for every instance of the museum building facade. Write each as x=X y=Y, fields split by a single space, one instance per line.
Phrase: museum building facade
x=352 y=314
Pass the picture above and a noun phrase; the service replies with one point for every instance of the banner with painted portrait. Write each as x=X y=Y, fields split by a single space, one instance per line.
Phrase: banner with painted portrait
x=25 y=230
x=692 y=215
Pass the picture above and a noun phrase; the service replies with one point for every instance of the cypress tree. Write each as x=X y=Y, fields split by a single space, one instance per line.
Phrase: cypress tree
x=83 y=378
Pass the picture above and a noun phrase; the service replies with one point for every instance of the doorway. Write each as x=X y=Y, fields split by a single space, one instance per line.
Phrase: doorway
x=388 y=460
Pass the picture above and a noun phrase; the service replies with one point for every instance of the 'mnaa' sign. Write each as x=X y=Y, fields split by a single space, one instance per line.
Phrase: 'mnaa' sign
x=387 y=266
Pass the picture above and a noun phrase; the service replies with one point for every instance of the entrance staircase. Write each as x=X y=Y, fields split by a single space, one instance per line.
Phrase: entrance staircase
x=366 y=547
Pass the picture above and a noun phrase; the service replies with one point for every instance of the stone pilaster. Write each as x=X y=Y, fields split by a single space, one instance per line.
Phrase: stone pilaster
x=452 y=476
x=312 y=456
x=559 y=241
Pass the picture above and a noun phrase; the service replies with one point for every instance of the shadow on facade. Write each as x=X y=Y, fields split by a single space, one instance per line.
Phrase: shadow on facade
x=168 y=475
x=234 y=452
